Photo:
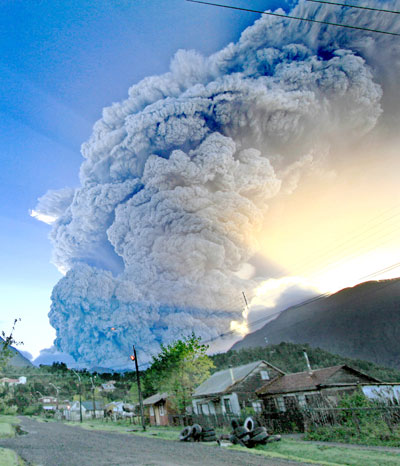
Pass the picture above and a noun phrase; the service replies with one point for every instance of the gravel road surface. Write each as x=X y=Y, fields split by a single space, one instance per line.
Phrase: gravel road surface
x=57 y=444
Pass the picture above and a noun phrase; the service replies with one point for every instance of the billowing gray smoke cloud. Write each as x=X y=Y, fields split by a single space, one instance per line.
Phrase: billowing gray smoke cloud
x=177 y=179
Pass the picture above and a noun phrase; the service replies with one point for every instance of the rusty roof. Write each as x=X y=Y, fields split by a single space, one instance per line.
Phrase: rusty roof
x=301 y=381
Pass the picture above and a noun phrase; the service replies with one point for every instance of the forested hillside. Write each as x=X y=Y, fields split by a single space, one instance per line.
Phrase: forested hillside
x=362 y=322
x=289 y=358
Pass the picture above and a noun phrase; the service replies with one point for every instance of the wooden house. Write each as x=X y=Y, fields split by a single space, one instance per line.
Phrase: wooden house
x=312 y=388
x=229 y=391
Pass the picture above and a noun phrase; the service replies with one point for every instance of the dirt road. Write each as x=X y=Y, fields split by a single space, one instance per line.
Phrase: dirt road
x=57 y=444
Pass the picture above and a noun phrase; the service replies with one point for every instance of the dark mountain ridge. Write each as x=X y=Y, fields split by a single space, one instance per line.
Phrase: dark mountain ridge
x=361 y=322
x=17 y=359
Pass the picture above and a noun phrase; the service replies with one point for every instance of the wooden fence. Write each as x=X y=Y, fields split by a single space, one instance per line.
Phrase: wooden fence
x=298 y=419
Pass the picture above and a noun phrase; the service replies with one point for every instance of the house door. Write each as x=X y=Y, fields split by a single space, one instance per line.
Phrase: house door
x=157 y=415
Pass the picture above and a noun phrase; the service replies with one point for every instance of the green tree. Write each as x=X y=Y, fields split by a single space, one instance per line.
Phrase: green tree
x=178 y=369
x=6 y=341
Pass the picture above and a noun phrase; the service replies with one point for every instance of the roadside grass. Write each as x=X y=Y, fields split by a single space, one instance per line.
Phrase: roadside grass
x=374 y=434
x=7 y=424
x=289 y=449
x=168 y=433
x=329 y=455
x=10 y=458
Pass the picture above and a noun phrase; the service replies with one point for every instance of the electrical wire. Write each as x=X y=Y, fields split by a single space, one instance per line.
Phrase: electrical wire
x=348 y=26
x=308 y=301
x=339 y=248
x=355 y=6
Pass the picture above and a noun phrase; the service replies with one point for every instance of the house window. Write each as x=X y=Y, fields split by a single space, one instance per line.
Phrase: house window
x=151 y=411
x=257 y=406
x=281 y=404
x=162 y=411
x=227 y=405
x=302 y=401
x=264 y=375
x=204 y=409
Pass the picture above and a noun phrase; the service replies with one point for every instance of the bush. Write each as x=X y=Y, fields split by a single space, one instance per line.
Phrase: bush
x=359 y=421
x=33 y=410
x=10 y=410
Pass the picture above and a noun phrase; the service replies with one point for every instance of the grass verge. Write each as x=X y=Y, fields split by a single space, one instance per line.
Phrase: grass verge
x=295 y=450
x=7 y=426
x=298 y=450
x=10 y=458
x=168 y=433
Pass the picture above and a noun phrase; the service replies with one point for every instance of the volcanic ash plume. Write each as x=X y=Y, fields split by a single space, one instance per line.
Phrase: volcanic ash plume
x=177 y=180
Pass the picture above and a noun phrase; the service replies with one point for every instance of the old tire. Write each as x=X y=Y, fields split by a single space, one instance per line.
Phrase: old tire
x=234 y=424
x=208 y=435
x=211 y=438
x=208 y=429
x=250 y=423
x=260 y=438
x=185 y=434
x=241 y=431
x=196 y=431
x=233 y=439
x=258 y=430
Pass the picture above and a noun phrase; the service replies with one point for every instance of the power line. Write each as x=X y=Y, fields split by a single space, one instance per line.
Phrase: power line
x=356 y=6
x=308 y=301
x=296 y=17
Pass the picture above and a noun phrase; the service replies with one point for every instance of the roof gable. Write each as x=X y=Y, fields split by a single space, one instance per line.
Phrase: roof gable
x=151 y=400
x=221 y=381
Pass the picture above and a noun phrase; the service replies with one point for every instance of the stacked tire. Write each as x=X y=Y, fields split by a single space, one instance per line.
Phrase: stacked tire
x=250 y=434
x=208 y=434
x=197 y=433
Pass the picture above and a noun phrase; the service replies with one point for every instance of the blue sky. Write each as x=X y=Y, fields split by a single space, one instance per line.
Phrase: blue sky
x=61 y=62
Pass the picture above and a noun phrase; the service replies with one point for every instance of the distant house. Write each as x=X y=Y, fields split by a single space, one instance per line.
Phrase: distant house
x=72 y=413
x=313 y=388
x=12 y=382
x=119 y=409
x=158 y=409
x=231 y=390
x=49 y=403
x=108 y=386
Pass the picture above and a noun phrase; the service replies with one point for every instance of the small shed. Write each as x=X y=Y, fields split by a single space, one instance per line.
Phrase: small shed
x=158 y=409
x=231 y=390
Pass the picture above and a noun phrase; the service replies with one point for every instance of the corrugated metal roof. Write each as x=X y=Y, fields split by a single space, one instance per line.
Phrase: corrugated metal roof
x=151 y=400
x=222 y=380
x=88 y=405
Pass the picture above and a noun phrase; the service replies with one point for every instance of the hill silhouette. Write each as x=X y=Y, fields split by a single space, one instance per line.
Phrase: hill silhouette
x=17 y=359
x=362 y=322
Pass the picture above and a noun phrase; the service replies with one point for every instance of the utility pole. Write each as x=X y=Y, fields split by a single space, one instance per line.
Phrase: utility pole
x=57 y=389
x=134 y=358
x=80 y=395
x=93 y=398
